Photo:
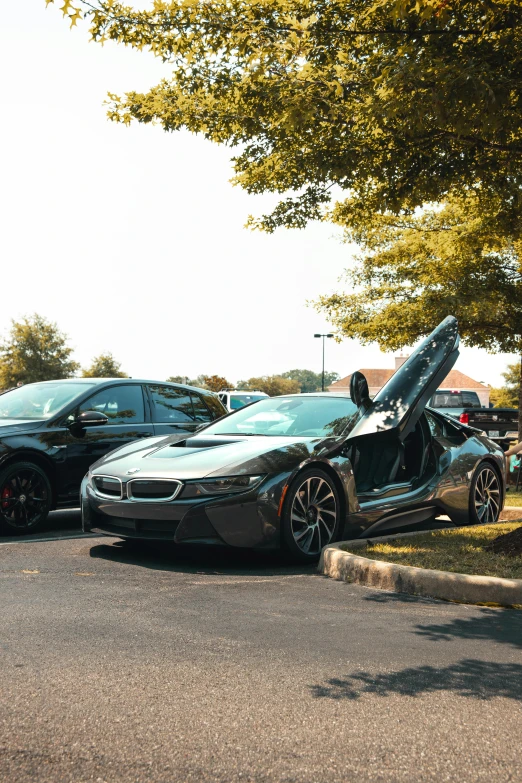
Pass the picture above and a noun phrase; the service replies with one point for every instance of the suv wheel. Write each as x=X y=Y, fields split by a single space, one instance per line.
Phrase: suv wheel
x=25 y=498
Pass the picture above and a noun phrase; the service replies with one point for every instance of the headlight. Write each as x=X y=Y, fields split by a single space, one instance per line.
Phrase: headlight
x=221 y=486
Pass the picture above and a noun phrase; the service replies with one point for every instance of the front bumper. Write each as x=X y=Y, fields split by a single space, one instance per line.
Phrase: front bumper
x=246 y=520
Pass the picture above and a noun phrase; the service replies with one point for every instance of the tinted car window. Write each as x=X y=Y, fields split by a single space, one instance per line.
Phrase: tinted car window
x=201 y=412
x=240 y=400
x=215 y=405
x=455 y=400
x=122 y=404
x=171 y=405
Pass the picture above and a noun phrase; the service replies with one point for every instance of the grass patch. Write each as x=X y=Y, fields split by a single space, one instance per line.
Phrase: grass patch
x=461 y=551
x=513 y=498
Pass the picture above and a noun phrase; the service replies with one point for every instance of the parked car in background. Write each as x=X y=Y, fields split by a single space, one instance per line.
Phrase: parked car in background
x=233 y=399
x=500 y=424
x=454 y=401
x=51 y=432
x=299 y=471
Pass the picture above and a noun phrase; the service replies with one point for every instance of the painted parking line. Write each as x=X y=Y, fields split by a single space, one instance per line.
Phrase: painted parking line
x=26 y=540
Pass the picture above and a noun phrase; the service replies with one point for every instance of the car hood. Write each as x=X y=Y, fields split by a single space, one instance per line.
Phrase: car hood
x=8 y=426
x=213 y=455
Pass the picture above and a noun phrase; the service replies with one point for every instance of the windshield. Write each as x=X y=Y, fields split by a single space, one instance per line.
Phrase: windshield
x=39 y=400
x=301 y=416
x=240 y=400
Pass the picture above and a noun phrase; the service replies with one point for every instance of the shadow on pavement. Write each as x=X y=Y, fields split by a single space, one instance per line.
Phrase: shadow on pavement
x=471 y=678
x=198 y=559
x=497 y=625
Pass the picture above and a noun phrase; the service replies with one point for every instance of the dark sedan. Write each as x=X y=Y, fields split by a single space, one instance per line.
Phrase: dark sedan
x=51 y=432
x=301 y=471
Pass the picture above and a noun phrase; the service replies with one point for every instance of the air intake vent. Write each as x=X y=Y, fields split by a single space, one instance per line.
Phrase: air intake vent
x=108 y=487
x=153 y=490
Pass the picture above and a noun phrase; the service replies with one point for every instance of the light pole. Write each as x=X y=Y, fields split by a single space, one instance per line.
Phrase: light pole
x=323 y=336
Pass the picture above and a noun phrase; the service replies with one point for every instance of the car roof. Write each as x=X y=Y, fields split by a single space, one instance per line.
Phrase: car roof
x=110 y=381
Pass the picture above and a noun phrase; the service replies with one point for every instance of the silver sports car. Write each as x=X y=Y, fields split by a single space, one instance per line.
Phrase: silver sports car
x=300 y=471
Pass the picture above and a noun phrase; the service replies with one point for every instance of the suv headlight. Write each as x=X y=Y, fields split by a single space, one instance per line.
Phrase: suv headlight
x=221 y=486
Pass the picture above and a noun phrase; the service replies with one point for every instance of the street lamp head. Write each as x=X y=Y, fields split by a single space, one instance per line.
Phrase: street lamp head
x=318 y=335
x=329 y=335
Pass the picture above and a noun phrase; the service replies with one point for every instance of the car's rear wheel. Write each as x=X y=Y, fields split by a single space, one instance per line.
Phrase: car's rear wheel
x=25 y=498
x=311 y=515
x=485 y=495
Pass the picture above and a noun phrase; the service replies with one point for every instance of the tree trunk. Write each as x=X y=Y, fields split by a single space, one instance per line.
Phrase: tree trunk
x=520 y=402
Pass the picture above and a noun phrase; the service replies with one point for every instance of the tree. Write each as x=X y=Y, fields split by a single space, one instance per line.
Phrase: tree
x=415 y=269
x=507 y=396
x=310 y=381
x=271 y=385
x=216 y=382
x=396 y=102
x=35 y=350
x=104 y=366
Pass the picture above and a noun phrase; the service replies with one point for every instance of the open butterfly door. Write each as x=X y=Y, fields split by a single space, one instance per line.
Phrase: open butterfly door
x=400 y=403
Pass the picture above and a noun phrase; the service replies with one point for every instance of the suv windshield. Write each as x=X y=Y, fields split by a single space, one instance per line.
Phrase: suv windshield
x=301 y=416
x=39 y=400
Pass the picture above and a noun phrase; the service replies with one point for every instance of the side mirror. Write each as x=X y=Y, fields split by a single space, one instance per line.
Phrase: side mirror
x=359 y=392
x=90 y=419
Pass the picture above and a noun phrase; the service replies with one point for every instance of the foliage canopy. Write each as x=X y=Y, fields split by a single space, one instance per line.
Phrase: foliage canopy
x=310 y=381
x=416 y=269
x=271 y=385
x=507 y=396
x=35 y=350
x=104 y=366
x=397 y=102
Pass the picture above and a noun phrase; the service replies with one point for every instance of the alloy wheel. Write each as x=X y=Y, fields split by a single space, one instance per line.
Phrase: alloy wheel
x=487 y=496
x=313 y=515
x=24 y=497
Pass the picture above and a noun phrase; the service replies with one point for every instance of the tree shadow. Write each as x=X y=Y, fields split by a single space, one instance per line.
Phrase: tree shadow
x=485 y=624
x=198 y=559
x=498 y=625
x=469 y=678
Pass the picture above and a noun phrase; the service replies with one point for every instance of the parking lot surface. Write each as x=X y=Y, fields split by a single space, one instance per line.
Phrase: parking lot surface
x=124 y=664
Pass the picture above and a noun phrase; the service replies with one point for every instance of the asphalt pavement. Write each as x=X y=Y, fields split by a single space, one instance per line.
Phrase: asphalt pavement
x=128 y=664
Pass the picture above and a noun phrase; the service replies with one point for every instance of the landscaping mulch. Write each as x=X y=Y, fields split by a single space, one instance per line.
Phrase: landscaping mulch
x=507 y=544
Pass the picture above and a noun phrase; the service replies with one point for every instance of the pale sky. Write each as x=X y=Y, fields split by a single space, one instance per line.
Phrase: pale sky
x=132 y=239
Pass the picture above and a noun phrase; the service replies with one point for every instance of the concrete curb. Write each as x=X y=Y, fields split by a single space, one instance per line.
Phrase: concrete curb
x=460 y=588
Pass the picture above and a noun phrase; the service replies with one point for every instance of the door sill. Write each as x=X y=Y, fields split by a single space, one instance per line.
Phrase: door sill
x=389 y=490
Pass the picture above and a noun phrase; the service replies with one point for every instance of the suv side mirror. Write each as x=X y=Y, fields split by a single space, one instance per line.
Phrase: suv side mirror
x=90 y=419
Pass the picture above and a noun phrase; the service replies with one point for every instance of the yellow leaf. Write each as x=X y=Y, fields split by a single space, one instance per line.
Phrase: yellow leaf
x=74 y=17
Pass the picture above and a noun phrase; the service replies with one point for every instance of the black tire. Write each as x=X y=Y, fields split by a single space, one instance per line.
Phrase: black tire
x=311 y=515
x=485 y=495
x=25 y=498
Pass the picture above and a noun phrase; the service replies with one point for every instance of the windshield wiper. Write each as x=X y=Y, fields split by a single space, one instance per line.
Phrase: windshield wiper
x=258 y=434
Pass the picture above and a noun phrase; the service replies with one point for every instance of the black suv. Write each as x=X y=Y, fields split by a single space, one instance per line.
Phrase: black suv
x=51 y=432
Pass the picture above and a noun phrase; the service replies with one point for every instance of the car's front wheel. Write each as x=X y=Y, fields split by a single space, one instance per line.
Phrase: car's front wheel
x=485 y=495
x=25 y=498
x=311 y=515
